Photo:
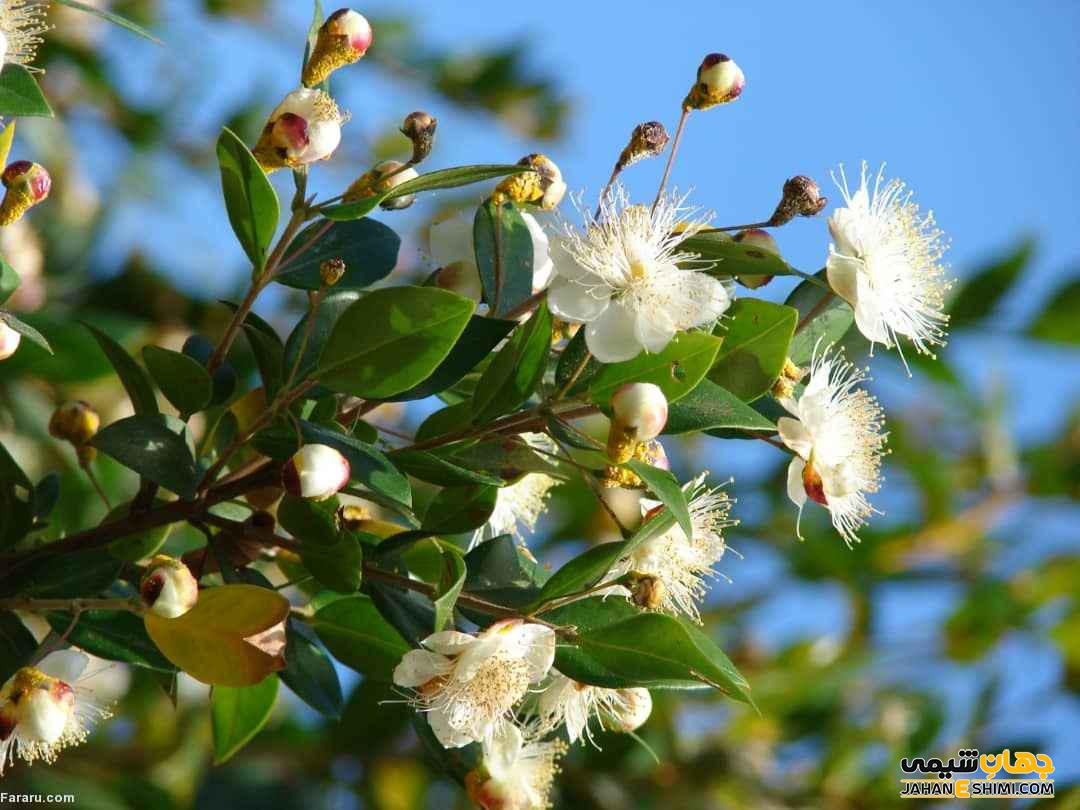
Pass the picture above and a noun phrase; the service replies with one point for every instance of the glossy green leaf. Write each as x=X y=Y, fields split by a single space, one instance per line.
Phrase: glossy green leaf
x=516 y=370
x=132 y=377
x=757 y=335
x=448 y=587
x=435 y=469
x=460 y=509
x=156 y=447
x=250 y=200
x=666 y=488
x=504 y=256
x=336 y=565
x=570 y=360
x=500 y=571
x=736 y=258
x=9 y=281
x=309 y=521
x=710 y=407
x=329 y=311
x=309 y=671
x=824 y=318
x=20 y=95
x=224 y=377
x=26 y=330
x=182 y=379
x=368 y=248
x=391 y=339
x=237 y=714
x=78 y=573
x=359 y=637
x=676 y=370
x=115 y=635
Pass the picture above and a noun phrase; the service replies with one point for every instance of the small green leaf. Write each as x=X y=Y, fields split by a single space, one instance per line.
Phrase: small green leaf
x=504 y=256
x=9 y=281
x=250 y=200
x=677 y=369
x=710 y=407
x=115 y=635
x=224 y=376
x=157 y=447
x=499 y=571
x=182 y=379
x=26 y=330
x=1057 y=322
x=131 y=375
x=309 y=672
x=309 y=521
x=830 y=318
x=20 y=95
x=756 y=335
x=368 y=248
x=391 y=339
x=359 y=637
x=115 y=19
x=517 y=369
x=431 y=467
x=329 y=312
x=448 y=587
x=337 y=565
x=269 y=356
x=460 y=509
x=736 y=258
x=237 y=714
x=665 y=487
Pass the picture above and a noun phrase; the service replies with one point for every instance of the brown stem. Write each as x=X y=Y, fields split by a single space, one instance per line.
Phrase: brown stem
x=32 y=605
x=671 y=155
x=603 y=194
x=765 y=224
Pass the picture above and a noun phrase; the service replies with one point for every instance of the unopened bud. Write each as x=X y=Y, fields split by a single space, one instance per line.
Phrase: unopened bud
x=315 y=471
x=646 y=141
x=36 y=711
x=27 y=184
x=74 y=422
x=760 y=241
x=812 y=483
x=379 y=179
x=419 y=127
x=648 y=592
x=343 y=39
x=304 y=128
x=635 y=706
x=544 y=186
x=168 y=589
x=9 y=341
x=719 y=80
x=331 y=271
x=639 y=413
x=802 y=197
x=460 y=277
x=353 y=517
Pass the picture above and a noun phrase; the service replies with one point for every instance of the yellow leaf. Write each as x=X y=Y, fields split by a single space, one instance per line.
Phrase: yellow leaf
x=6 y=137
x=211 y=642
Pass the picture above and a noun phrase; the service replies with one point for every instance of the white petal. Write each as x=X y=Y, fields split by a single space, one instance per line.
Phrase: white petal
x=449 y=642
x=575 y=302
x=795 y=435
x=868 y=316
x=537 y=648
x=323 y=139
x=67 y=665
x=611 y=337
x=543 y=267
x=502 y=749
x=843 y=275
x=42 y=717
x=566 y=265
x=417 y=667
x=795 y=489
x=654 y=331
x=701 y=298
x=446 y=734
x=452 y=241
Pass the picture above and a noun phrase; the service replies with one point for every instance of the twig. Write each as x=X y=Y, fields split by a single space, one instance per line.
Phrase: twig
x=671 y=156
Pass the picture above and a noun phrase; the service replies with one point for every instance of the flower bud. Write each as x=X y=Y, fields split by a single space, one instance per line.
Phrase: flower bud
x=635 y=709
x=74 y=422
x=646 y=141
x=563 y=330
x=304 y=128
x=331 y=271
x=462 y=278
x=419 y=127
x=36 y=706
x=544 y=186
x=639 y=413
x=168 y=589
x=761 y=241
x=648 y=591
x=9 y=341
x=719 y=80
x=316 y=471
x=27 y=184
x=802 y=197
x=379 y=179
x=343 y=39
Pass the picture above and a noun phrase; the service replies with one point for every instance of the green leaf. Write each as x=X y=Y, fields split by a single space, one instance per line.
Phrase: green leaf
x=250 y=200
x=115 y=19
x=830 y=318
x=26 y=330
x=517 y=369
x=981 y=293
x=156 y=447
x=66 y=576
x=709 y=407
x=115 y=635
x=676 y=370
x=224 y=377
x=481 y=335
x=131 y=375
x=338 y=565
x=309 y=521
x=269 y=356
x=9 y=281
x=359 y=637
x=617 y=646
x=504 y=256
x=431 y=467
x=367 y=464
x=736 y=258
x=20 y=95
x=368 y=248
x=391 y=339
x=756 y=339
x=309 y=672
x=17 y=644
x=498 y=570
x=442 y=178
x=665 y=487
x=448 y=587
x=182 y=379
x=569 y=361
x=139 y=545
x=237 y=714
x=1057 y=322
x=460 y=509
x=329 y=312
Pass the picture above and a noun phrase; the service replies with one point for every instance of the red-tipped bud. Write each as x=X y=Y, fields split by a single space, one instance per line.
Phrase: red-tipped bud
x=168 y=589
x=315 y=471
x=647 y=140
x=343 y=39
x=74 y=422
x=304 y=128
x=642 y=408
x=9 y=341
x=27 y=184
x=719 y=80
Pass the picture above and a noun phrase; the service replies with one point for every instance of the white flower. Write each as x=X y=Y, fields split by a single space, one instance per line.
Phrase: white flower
x=452 y=250
x=519 y=506
x=302 y=129
x=837 y=437
x=468 y=684
x=9 y=341
x=575 y=704
x=21 y=27
x=169 y=589
x=885 y=262
x=41 y=712
x=621 y=277
x=681 y=564
x=316 y=471
x=518 y=770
